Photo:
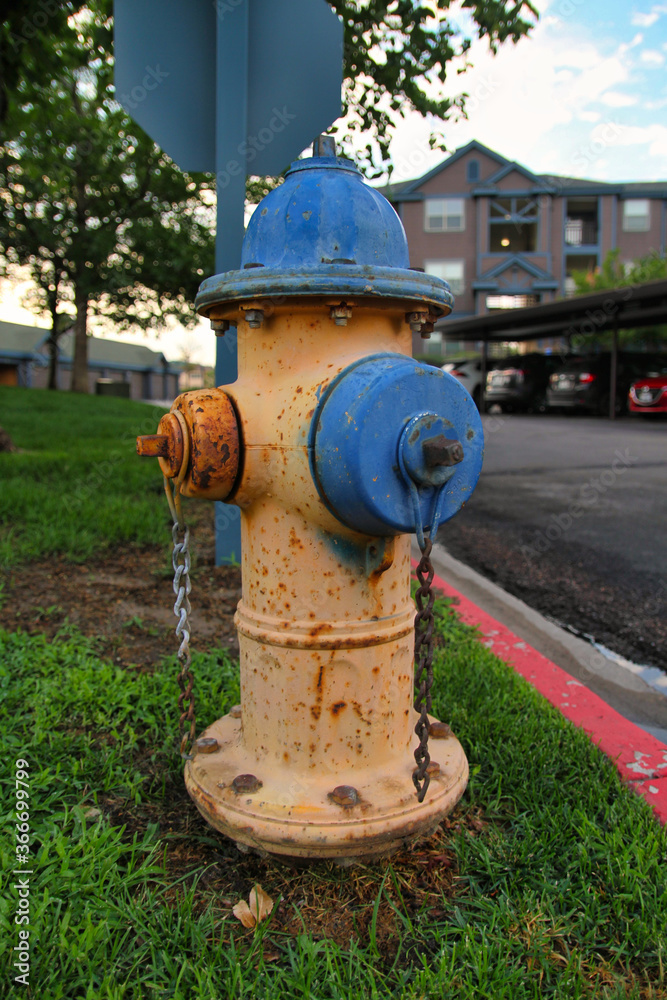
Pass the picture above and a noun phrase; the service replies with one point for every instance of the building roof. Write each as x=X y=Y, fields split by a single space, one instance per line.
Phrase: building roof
x=113 y=353
x=19 y=341
x=554 y=183
x=24 y=342
x=623 y=308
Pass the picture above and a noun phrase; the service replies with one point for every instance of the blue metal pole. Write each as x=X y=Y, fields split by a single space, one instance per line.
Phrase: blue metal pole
x=231 y=115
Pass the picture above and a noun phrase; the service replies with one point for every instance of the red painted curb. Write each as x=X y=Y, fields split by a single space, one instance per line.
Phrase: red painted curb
x=641 y=759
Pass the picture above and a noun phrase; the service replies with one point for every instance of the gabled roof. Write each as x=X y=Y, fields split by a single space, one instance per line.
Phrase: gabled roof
x=508 y=168
x=549 y=183
x=516 y=260
x=409 y=187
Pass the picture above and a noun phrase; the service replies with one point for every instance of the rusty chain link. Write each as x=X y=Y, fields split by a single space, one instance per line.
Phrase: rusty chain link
x=180 y=560
x=424 y=624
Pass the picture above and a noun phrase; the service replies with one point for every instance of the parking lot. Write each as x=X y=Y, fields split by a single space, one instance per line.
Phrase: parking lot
x=570 y=514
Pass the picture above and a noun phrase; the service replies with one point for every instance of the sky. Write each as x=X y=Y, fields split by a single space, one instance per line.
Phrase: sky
x=585 y=95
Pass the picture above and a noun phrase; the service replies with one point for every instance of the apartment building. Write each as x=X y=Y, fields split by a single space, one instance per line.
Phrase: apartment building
x=503 y=237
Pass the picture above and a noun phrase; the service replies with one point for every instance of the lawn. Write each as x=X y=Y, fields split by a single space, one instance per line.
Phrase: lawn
x=548 y=880
x=75 y=486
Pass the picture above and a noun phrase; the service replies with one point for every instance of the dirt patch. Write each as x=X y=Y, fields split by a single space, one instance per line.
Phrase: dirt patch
x=125 y=598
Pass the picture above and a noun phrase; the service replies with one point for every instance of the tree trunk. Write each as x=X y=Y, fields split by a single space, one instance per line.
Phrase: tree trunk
x=53 y=361
x=80 y=360
x=53 y=348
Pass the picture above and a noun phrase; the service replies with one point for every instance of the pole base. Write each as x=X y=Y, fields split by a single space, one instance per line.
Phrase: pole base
x=365 y=812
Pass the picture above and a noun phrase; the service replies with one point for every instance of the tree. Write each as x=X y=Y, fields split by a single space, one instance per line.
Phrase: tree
x=98 y=212
x=103 y=219
x=613 y=273
x=397 y=56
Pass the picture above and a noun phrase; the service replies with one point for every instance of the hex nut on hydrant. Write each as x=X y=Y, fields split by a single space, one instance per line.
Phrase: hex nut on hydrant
x=334 y=443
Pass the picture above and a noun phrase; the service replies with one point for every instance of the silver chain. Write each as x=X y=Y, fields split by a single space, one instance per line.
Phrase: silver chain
x=180 y=560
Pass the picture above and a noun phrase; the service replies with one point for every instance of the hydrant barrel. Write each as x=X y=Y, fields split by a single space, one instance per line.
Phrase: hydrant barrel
x=344 y=446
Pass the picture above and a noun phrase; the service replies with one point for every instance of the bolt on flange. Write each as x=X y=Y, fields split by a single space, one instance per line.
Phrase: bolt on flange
x=340 y=314
x=345 y=796
x=246 y=784
x=421 y=322
x=254 y=318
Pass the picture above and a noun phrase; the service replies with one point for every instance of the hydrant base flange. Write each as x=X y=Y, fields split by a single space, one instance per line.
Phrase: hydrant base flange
x=292 y=814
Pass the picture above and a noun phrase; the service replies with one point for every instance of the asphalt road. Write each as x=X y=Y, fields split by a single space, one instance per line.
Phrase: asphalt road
x=570 y=515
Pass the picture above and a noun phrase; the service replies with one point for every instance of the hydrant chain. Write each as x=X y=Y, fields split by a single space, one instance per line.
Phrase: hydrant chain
x=424 y=624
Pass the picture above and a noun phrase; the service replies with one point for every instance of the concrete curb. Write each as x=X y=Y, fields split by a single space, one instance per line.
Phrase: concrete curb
x=640 y=757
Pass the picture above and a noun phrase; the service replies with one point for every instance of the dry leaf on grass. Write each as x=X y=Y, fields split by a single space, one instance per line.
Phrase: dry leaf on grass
x=259 y=909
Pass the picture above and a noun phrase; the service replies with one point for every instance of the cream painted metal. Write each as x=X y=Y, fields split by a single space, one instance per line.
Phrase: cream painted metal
x=325 y=622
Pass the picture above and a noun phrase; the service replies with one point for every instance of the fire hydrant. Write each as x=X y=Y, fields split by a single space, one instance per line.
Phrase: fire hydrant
x=336 y=445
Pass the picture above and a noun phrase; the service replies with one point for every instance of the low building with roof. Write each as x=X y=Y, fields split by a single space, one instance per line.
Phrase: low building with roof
x=24 y=361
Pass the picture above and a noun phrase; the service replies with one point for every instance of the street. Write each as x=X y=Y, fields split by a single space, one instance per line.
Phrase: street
x=570 y=515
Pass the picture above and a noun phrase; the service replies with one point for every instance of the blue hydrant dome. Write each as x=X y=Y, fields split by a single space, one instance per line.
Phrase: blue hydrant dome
x=324 y=213
x=325 y=232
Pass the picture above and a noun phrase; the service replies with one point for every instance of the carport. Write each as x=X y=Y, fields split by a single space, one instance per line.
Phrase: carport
x=613 y=309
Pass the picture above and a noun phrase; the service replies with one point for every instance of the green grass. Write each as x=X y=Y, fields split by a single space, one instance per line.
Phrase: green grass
x=76 y=470
x=560 y=891
x=548 y=882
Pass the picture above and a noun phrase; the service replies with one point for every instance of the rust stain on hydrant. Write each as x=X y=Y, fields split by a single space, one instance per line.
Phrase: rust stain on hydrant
x=318 y=761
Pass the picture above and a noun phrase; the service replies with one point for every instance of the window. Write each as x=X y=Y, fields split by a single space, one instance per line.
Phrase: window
x=511 y=301
x=472 y=171
x=450 y=271
x=636 y=215
x=444 y=215
x=513 y=225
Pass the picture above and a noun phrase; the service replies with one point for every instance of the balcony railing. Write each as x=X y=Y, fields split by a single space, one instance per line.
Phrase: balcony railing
x=581 y=232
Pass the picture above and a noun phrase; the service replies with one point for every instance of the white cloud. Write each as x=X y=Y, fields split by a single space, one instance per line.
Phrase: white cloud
x=614 y=99
x=653 y=136
x=644 y=20
x=552 y=102
x=651 y=57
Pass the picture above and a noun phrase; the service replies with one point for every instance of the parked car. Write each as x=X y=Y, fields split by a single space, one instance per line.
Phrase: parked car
x=648 y=395
x=583 y=383
x=469 y=373
x=520 y=382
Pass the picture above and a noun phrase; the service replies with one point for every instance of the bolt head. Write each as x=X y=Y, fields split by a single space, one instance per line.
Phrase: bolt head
x=254 y=318
x=442 y=451
x=246 y=784
x=235 y=711
x=207 y=744
x=439 y=731
x=341 y=314
x=220 y=326
x=345 y=796
x=433 y=769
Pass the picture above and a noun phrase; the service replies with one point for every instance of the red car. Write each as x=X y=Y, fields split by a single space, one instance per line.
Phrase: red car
x=649 y=394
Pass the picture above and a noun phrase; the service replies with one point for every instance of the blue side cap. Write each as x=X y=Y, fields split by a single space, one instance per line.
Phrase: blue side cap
x=358 y=429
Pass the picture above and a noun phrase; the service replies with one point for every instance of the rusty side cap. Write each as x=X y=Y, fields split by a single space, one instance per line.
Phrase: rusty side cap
x=214 y=457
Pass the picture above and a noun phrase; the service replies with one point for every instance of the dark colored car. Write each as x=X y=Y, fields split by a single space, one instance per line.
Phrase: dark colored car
x=520 y=382
x=648 y=395
x=584 y=383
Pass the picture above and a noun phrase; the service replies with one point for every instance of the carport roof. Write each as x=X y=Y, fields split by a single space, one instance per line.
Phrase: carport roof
x=620 y=308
